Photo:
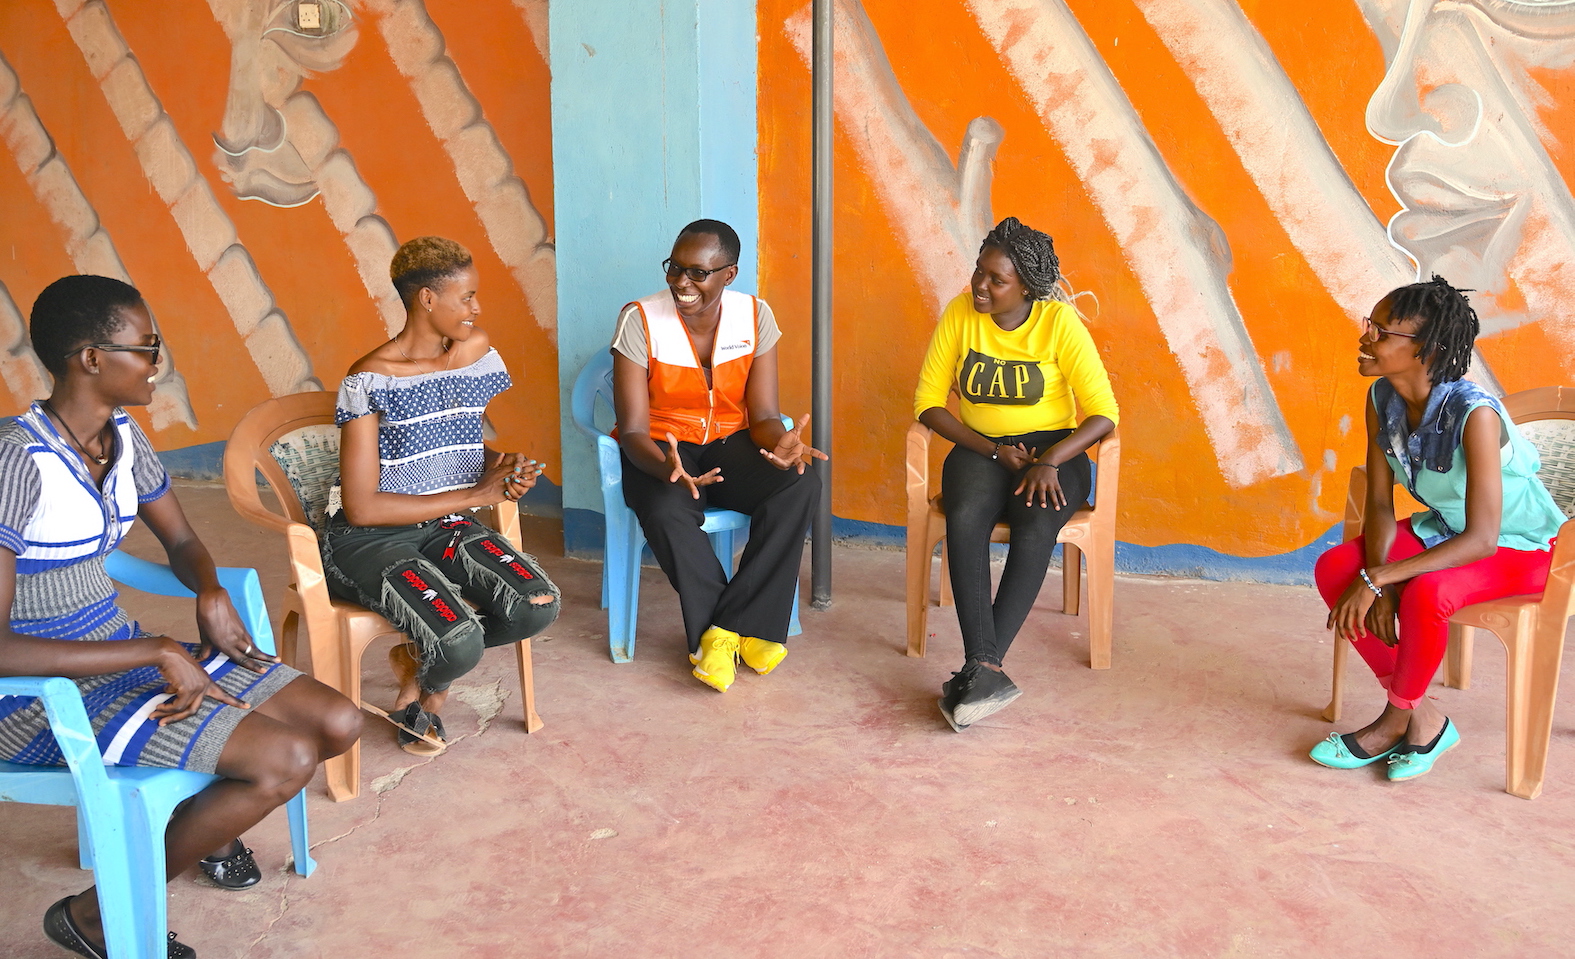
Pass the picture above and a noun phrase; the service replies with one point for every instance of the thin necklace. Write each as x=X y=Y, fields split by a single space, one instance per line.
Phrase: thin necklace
x=102 y=457
x=448 y=351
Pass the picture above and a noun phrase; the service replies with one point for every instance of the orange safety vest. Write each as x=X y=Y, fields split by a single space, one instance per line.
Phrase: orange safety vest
x=681 y=402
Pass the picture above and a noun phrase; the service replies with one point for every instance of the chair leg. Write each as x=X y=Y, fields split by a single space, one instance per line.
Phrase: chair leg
x=1535 y=657
x=1457 y=660
x=1101 y=606
x=917 y=591
x=1071 y=579
x=300 y=839
x=1337 y=693
x=622 y=568
x=343 y=772
x=528 y=686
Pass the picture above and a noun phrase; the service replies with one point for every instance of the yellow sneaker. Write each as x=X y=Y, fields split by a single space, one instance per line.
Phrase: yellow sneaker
x=761 y=655
x=718 y=654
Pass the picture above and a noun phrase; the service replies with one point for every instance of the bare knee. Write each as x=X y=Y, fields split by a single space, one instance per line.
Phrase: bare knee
x=339 y=728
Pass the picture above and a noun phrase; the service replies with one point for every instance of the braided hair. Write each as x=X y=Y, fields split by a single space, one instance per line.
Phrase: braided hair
x=1032 y=254
x=1449 y=326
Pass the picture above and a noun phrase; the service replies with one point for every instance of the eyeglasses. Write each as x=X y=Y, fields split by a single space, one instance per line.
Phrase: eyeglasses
x=693 y=272
x=152 y=349
x=1377 y=332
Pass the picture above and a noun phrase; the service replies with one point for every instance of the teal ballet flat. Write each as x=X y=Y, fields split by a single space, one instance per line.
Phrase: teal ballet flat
x=1409 y=762
x=1340 y=751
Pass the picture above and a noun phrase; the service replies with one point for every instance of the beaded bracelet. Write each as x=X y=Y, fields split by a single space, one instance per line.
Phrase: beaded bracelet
x=1377 y=590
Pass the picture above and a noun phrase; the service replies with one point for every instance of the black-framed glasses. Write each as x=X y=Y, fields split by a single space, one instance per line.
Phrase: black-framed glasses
x=1377 y=332
x=152 y=349
x=693 y=272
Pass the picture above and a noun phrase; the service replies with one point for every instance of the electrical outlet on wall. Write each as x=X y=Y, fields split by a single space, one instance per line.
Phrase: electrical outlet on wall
x=309 y=15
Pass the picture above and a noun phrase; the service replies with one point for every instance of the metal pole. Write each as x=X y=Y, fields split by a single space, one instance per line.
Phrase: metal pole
x=821 y=219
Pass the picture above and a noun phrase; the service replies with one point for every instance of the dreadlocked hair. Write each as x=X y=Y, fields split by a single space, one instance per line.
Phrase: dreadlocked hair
x=1449 y=326
x=1032 y=254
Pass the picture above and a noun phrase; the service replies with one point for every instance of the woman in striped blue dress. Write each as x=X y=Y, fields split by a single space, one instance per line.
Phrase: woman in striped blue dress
x=75 y=473
x=401 y=539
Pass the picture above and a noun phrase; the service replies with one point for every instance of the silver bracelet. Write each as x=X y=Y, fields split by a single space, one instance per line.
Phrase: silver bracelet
x=1377 y=590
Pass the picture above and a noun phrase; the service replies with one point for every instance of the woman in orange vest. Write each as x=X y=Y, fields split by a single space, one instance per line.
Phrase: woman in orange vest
x=695 y=365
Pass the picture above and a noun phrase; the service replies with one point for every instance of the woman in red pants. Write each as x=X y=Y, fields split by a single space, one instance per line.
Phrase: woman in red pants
x=1487 y=531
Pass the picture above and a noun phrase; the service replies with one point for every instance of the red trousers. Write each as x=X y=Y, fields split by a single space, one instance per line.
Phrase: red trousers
x=1426 y=603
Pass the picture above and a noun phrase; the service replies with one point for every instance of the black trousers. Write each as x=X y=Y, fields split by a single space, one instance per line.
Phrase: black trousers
x=976 y=492
x=758 y=600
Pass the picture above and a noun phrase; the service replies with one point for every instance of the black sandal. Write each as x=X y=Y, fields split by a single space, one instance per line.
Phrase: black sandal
x=420 y=733
x=63 y=932
x=238 y=870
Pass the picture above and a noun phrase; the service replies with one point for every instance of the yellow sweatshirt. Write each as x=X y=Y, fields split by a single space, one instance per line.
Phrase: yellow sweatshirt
x=1017 y=382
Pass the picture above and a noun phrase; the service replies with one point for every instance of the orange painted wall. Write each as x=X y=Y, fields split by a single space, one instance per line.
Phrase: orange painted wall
x=1172 y=490
x=300 y=255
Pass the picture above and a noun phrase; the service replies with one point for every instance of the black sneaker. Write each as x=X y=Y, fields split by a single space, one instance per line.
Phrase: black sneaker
x=952 y=692
x=987 y=692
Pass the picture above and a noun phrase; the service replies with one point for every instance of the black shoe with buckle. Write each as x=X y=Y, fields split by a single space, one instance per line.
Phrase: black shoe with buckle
x=62 y=931
x=236 y=870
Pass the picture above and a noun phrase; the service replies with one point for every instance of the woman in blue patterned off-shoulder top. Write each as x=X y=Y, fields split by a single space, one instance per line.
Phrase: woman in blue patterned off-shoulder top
x=401 y=539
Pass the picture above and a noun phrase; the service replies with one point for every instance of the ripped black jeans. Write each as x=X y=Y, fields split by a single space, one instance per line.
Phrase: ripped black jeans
x=453 y=585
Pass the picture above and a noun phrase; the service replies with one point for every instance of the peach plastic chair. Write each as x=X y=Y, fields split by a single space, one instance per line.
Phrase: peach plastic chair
x=1090 y=533
x=1530 y=627
x=293 y=442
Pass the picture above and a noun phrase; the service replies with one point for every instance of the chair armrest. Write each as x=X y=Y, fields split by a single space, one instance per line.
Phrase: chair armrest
x=240 y=582
x=1355 y=503
x=68 y=720
x=1559 y=595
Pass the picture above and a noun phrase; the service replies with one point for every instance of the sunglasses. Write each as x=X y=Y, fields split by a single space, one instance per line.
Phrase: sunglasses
x=152 y=349
x=1378 y=332
x=693 y=272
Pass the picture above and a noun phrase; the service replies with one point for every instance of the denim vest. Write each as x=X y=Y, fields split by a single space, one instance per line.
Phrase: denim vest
x=1430 y=461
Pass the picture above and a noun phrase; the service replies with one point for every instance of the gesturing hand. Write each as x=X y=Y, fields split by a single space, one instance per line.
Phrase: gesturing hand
x=187 y=683
x=680 y=474
x=791 y=450
x=220 y=627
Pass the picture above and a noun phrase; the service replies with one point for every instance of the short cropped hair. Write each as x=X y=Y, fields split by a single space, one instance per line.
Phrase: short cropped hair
x=74 y=311
x=726 y=236
x=423 y=262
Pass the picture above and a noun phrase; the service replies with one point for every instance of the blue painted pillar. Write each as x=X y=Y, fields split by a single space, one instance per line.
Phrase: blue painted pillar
x=653 y=125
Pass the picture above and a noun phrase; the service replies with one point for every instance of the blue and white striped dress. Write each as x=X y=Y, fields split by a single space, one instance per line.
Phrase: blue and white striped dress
x=61 y=525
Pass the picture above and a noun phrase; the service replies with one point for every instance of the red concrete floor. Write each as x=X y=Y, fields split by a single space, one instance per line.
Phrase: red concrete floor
x=1164 y=807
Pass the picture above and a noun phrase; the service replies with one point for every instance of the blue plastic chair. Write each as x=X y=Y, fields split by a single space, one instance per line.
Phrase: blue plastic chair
x=625 y=539
x=122 y=811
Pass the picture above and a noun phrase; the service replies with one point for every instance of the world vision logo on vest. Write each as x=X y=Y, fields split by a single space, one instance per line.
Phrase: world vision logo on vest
x=986 y=379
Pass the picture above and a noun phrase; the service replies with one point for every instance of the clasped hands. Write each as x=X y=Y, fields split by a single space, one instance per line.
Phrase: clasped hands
x=513 y=473
x=1040 y=480
x=791 y=452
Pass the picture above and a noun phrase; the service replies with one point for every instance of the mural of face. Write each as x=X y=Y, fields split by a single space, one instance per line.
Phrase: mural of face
x=1484 y=204
x=273 y=47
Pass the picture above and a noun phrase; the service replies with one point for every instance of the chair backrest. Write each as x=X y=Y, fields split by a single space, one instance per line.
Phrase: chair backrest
x=1546 y=417
x=293 y=442
x=594 y=382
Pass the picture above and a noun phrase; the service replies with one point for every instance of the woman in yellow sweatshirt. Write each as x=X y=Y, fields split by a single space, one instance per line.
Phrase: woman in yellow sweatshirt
x=1018 y=357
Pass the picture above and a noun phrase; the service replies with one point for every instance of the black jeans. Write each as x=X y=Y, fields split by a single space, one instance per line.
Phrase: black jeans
x=758 y=600
x=977 y=494
x=426 y=578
